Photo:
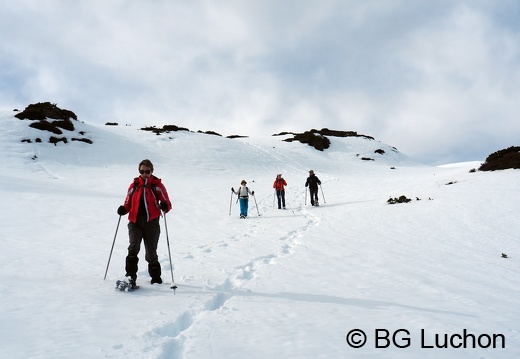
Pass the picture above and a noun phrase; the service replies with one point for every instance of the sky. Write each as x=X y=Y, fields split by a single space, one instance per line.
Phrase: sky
x=437 y=79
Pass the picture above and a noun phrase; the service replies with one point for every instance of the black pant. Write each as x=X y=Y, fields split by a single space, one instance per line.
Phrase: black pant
x=314 y=195
x=149 y=233
x=281 y=198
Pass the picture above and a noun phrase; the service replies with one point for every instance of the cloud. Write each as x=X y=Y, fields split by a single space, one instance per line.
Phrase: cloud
x=437 y=79
x=462 y=97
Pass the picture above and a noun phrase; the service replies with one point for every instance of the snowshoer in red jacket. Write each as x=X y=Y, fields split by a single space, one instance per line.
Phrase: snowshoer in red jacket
x=145 y=199
x=279 y=185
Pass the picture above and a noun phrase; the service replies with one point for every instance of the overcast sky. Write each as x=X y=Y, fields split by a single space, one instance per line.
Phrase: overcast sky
x=438 y=79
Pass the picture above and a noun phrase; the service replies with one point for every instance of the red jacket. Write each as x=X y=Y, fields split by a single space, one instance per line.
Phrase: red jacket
x=154 y=191
x=279 y=184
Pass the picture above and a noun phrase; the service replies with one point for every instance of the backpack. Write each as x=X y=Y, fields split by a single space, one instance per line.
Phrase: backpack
x=247 y=191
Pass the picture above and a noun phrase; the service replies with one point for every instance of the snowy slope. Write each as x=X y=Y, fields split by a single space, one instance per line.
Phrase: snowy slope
x=282 y=284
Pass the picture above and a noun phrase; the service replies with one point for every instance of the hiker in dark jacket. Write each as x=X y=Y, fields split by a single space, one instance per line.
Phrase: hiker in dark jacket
x=312 y=182
x=279 y=185
x=145 y=199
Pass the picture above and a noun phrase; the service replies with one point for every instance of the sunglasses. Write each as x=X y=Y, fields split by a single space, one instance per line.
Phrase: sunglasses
x=143 y=172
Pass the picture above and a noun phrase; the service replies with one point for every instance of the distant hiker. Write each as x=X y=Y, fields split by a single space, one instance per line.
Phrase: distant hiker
x=279 y=185
x=312 y=182
x=243 y=196
x=145 y=199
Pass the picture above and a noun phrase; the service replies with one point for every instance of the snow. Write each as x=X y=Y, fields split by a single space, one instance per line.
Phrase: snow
x=279 y=284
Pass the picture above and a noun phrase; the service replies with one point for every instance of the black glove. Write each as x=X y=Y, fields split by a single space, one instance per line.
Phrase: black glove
x=253 y=193
x=232 y=189
x=164 y=207
x=121 y=210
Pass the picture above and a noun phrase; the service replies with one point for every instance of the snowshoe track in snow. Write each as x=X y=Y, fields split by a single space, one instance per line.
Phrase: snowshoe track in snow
x=166 y=339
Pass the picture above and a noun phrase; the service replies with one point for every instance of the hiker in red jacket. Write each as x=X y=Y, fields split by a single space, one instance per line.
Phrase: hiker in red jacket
x=145 y=199
x=279 y=185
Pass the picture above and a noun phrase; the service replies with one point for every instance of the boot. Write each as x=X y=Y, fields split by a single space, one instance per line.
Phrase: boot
x=131 y=267
x=131 y=283
x=154 y=269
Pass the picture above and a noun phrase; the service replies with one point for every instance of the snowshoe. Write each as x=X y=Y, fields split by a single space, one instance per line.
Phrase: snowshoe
x=126 y=285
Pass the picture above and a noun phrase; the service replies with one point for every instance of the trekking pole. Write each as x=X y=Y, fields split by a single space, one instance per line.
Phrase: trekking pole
x=169 y=253
x=322 y=195
x=305 y=196
x=230 y=203
x=274 y=195
x=256 y=205
x=110 y=256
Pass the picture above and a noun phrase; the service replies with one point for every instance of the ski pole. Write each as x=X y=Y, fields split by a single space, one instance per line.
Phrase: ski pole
x=230 y=203
x=305 y=196
x=256 y=205
x=169 y=254
x=322 y=195
x=110 y=256
x=274 y=195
